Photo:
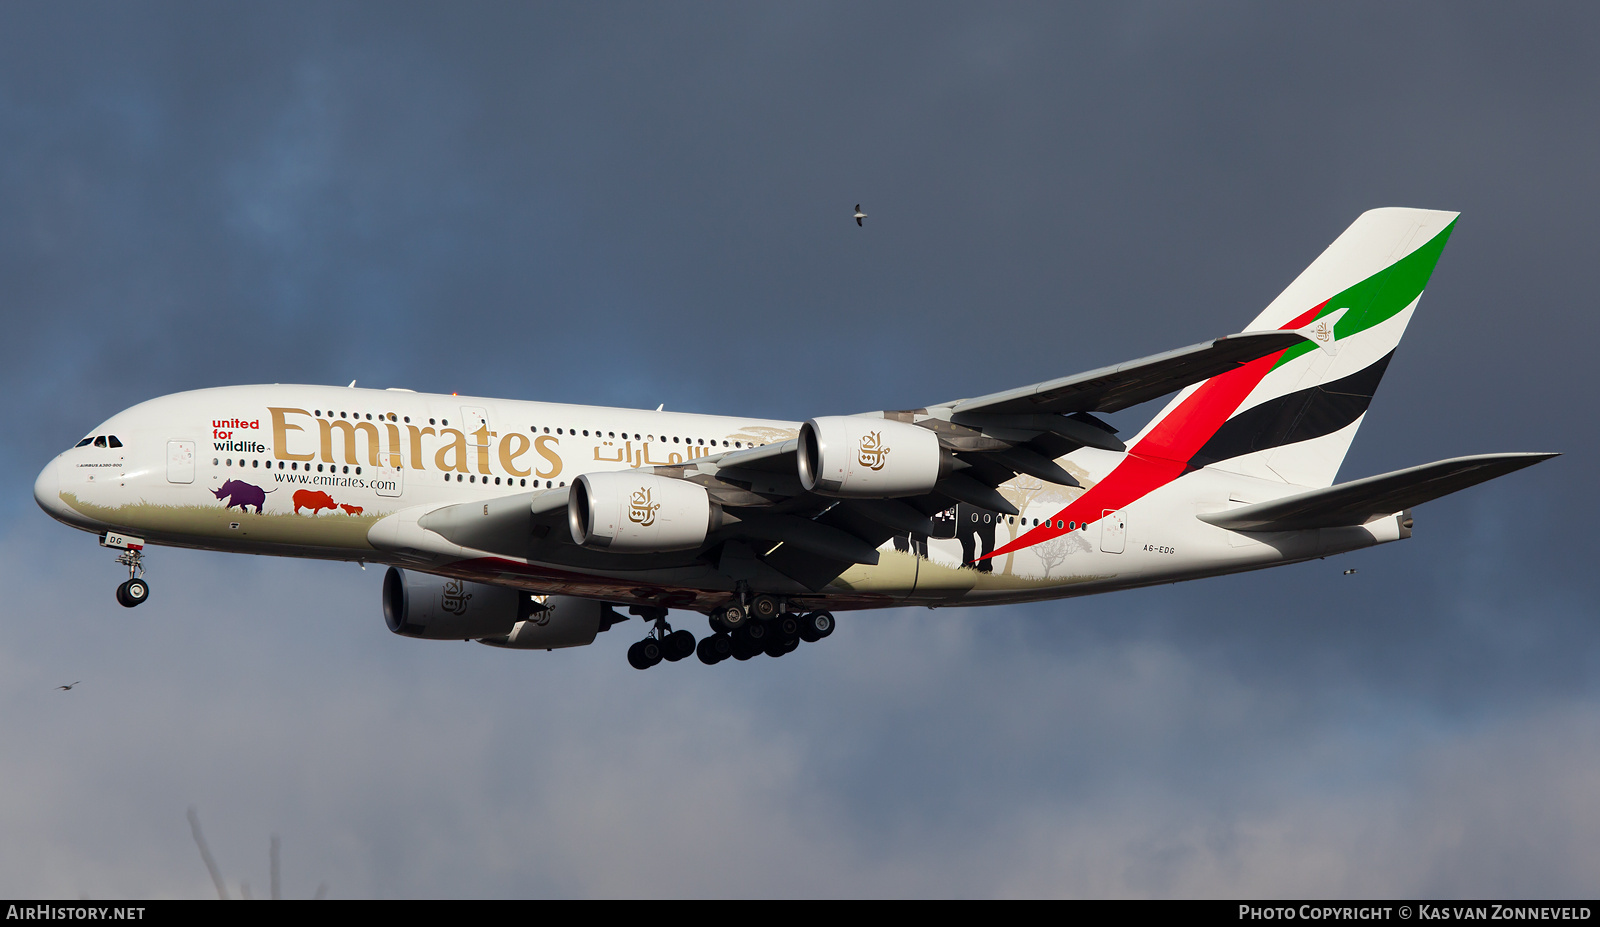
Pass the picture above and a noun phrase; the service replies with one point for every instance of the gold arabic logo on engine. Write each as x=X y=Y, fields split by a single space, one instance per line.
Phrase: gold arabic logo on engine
x=873 y=453
x=641 y=511
x=539 y=610
x=454 y=597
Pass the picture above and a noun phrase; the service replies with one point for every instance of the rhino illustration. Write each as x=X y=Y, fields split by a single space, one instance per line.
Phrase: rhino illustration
x=350 y=509
x=313 y=499
x=242 y=494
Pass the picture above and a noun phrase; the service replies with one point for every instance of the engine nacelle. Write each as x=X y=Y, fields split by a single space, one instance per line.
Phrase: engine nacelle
x=855 y=457
x=556 y=621
x=629 y=512
x=438 y=608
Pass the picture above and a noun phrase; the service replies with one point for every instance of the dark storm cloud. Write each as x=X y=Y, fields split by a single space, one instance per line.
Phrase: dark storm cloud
x=632 y=204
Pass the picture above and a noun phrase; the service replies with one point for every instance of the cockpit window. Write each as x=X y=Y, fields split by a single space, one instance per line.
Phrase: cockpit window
x=99 y=440
x=112 y=440
x=84 y=442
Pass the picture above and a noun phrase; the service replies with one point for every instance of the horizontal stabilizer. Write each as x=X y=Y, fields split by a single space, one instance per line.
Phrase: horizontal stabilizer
x=1360 y=501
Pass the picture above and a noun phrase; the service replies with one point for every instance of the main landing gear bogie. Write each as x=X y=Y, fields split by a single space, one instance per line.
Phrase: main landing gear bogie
x=737 y=632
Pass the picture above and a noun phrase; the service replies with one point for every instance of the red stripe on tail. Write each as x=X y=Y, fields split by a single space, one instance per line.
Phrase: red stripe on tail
x=1163 y=454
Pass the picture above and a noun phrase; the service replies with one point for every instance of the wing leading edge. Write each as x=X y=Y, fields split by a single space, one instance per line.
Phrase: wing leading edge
x=1111 y=389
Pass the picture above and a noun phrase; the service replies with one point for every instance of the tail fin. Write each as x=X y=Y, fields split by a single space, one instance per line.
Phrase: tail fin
x=1291 y=416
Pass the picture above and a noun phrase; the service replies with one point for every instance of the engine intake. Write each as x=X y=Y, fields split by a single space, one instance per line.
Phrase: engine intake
x=856 y=457
x=630 y=512
x=438 y=608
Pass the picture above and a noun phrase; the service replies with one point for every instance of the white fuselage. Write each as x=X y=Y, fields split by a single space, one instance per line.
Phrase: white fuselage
x=342 y=473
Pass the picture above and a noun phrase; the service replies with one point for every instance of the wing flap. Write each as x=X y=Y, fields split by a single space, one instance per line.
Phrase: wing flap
x=1360 y=501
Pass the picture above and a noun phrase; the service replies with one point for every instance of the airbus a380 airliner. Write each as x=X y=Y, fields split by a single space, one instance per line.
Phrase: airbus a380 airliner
x=526 y=524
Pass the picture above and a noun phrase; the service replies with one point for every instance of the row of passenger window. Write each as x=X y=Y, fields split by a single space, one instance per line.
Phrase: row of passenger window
x=509 y=481
x=293 y=465
x=333 y=468
x=702 y=442
x=382 y=416
x=1012 y=519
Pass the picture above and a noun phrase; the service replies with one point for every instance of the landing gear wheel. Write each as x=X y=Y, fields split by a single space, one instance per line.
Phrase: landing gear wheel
x=644 y=654
x=787 y=626
x=755 y=634
x=133 y=592
x=782 y=645
x=815 y=626
x=714 y=649
x=733 y=617
x=677 y=645
x=765 y=608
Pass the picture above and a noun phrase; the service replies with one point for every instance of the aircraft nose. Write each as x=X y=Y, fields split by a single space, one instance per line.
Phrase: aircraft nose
x=47 y=491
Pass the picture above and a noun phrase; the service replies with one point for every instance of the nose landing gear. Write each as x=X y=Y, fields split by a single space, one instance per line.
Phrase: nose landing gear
x=135 y=591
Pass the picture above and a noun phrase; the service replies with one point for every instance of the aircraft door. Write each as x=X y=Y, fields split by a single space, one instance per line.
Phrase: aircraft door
x=388 y=481
x=1113 y=532
x=388 y=478
x=475 y=419
x=180 y=461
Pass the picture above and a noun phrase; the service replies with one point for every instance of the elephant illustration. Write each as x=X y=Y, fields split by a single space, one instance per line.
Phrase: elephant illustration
x=973 y=526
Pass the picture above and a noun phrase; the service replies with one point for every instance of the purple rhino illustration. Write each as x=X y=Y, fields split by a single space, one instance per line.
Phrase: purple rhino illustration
x=243 y=495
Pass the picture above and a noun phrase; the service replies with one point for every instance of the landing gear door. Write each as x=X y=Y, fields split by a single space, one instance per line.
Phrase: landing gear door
x=180 y=461
x=1113 y=532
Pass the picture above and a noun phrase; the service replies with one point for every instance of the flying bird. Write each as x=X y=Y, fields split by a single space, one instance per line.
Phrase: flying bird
x=859 y=214
x=68 y=688
x=1350 y=572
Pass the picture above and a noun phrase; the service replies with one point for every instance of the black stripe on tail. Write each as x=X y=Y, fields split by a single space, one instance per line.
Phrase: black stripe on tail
x=1298 y=416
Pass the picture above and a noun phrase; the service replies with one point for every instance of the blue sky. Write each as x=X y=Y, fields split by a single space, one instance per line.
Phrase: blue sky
x=635 y=204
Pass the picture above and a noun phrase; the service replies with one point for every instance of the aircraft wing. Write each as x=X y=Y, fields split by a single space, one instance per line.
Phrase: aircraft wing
x=1114 y=388
x=1360 y=501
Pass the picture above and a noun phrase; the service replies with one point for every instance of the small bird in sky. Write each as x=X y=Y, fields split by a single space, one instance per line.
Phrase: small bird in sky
x=68 y=688
x=859 y=214
x=1350 y=572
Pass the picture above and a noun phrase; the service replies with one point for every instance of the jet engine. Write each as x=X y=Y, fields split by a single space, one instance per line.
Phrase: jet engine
x=629 y=512
x=438 y=608
x=856 y=457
